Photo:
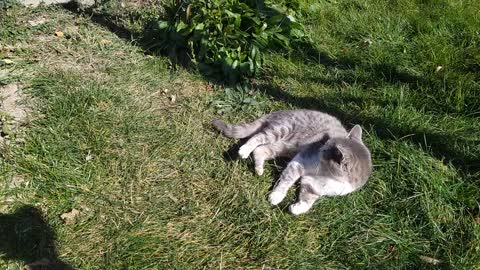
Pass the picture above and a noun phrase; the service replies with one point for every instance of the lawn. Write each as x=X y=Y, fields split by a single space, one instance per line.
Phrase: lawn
x=119 y=135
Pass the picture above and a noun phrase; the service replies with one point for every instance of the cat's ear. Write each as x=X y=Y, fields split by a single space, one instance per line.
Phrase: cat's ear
x=355 y=133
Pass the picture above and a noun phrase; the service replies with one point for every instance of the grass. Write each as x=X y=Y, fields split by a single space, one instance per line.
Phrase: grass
x=155 y=189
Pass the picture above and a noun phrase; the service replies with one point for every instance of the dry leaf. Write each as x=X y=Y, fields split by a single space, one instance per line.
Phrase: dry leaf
x=187 y=13
x=438 y=69
x=208 y=87
x=105 y=41
x=69 y=217
x=477 y=220
x=59 y=34
x=173 y=98
x=7 y=61
x=165 y=91
x=430 y=260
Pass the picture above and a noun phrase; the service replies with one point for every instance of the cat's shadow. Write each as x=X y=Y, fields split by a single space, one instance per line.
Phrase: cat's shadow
x=232 y=153
x=276 y=165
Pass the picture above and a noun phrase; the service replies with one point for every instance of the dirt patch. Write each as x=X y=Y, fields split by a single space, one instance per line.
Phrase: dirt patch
x=13 y=111
x=11 y=97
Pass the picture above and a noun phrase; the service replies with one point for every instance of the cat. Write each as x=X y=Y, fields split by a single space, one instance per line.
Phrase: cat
x=328 y=160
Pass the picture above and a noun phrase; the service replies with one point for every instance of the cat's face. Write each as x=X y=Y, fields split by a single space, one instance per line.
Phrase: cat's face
x=347 y=157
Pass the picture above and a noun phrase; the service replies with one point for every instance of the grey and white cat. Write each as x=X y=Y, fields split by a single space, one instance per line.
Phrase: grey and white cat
x=328 y=160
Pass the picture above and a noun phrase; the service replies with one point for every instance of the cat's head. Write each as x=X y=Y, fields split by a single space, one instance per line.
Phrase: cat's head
x=347 y=157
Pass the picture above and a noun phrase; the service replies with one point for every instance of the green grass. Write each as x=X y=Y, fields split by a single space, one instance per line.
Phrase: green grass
x=156 y=191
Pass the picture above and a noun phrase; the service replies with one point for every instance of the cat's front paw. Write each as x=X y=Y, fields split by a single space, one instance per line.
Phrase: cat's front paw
x=259 y=170
x=298 y=208
x=244 y=152
x=275 y=197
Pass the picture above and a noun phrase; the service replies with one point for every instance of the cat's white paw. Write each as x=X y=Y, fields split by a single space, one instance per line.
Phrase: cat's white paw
x=298 y=208
x=275 y=197
x=259 y=170
x=244 y=152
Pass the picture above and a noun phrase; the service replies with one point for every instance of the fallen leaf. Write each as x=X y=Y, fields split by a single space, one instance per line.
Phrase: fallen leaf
x=173 y=98
x=69 y=217
x=430 y=260
x=105 y=41
x=477 y=220
x=7 y=61
x=59 y=34
x=209 y=87
x=165 y=91
x=438 y=69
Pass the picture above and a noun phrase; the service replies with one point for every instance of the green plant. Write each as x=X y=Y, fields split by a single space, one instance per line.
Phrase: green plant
x=239 y=98
x=227 y=38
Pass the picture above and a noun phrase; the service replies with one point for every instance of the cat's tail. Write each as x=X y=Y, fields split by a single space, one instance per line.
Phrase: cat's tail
x=238 y=131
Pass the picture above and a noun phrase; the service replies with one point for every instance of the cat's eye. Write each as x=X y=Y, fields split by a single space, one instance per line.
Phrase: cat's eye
x=336 y=155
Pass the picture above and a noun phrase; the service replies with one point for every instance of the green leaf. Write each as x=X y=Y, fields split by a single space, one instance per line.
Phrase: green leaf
x=264 y=26
x=282 y=38
x=162 y=25
x=180 y=26
x=235 y=64
x=200 y=26
x=275 y=20
x=297 y=33
x=254 y=51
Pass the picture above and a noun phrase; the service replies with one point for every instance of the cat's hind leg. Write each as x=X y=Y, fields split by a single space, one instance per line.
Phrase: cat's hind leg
x=255 y=141
x=261 y=154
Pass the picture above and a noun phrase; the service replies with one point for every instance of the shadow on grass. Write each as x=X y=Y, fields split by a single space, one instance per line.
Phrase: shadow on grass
x=25 y=236
x=441 y=145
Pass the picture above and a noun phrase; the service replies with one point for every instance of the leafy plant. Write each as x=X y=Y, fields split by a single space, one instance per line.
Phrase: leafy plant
x=227 y=38
x=239 y=98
